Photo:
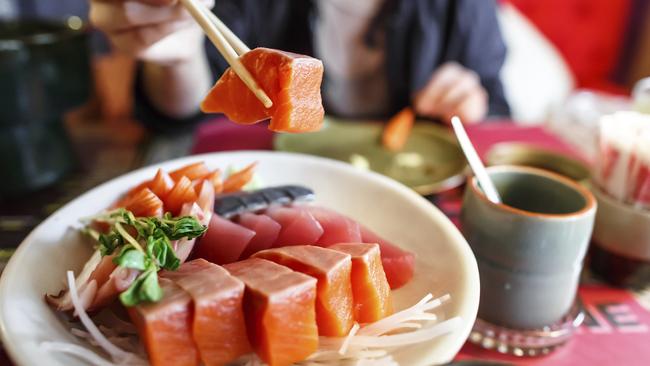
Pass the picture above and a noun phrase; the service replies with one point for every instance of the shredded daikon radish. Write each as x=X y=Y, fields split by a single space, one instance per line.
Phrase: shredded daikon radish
x=346 y=341
x=118 y=355
x=76 y=350
x=408 y=326
x=355 y=353
x=384 y=361
x=104 y=343
x=388 y=323
x=405 y=339
x=90 y=266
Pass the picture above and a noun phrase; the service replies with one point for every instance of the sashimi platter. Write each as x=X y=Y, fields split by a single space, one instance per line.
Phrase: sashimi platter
x=248 y=258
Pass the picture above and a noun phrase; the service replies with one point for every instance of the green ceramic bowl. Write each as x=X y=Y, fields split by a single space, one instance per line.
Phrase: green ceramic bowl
x=431 y=161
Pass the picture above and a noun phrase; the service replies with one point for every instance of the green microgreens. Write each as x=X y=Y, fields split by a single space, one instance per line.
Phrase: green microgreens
x=143 y=244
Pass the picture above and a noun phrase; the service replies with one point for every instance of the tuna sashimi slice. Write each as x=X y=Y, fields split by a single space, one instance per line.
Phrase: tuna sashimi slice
x=337 y=228
x=399 y=264
x=299 y=227
x=334 y=291
x=165 y=327
x=266 y=232
x=290 y=80
x=372 y=298
x=219 y=328
x=280 y=310
x=224 y=242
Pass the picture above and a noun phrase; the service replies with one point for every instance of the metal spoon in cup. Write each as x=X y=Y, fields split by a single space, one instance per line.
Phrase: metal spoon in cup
x=474 y=161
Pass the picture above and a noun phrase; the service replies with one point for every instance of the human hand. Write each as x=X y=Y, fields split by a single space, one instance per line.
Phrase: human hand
x=159 y=31
x=452 y=91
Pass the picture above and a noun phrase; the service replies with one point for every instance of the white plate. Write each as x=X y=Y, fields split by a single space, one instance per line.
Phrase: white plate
x=445 y=263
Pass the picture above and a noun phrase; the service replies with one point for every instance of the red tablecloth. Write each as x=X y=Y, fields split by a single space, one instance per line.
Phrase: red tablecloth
x=617 y=328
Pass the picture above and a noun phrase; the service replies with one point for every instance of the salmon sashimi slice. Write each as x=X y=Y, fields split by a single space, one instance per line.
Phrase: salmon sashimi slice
x=334 y=309
x=215 y=179
x=182 y=192
x=237 y=180
x=143 y=203
x=299 y=227
x=266 y=232
x=165 y=327
x=292 y=82
x=370 y=289
x=161 y=184
x=280 y=310
x=219 y=328
x=399 y=264
x=224 y=242
x=337 y=228
x=191 y=171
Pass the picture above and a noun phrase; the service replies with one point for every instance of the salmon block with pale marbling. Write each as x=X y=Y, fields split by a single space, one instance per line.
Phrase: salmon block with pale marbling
x=370 y=289
x=165 y=327
x=280 y=310
x=334 y=291
x=218 y=327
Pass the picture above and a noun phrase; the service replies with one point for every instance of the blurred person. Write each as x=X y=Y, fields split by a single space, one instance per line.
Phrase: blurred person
x=60 y=9
x=443 y=57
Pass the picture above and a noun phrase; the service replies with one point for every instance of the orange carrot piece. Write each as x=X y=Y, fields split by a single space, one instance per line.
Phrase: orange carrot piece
x=181 y=193
x=236 y=181
x=192 y=171
x=398 y=129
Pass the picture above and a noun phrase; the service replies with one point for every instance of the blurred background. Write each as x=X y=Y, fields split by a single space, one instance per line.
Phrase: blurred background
x=568 y=62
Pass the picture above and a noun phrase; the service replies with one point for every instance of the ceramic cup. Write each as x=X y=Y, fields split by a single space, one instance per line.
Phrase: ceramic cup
x=620 y=250
x=530 y=248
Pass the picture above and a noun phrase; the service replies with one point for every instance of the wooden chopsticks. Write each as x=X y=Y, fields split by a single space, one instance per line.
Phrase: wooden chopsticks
x=228 y=44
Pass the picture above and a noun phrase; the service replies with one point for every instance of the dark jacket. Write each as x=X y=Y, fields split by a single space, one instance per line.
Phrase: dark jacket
x=420 y=36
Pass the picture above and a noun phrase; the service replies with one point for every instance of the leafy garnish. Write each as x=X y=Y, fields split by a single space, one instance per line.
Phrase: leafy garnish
x=143 y=244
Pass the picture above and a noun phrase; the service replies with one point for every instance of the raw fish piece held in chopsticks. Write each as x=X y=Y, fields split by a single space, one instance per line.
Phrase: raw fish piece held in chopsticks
x=334 y=290
x=280 y=310
x=292 y=82
x=165 y=327
x=218 y=327
x=370 y=289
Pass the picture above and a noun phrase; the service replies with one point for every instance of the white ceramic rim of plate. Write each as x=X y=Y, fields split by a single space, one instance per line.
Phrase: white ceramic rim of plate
x=469 y=307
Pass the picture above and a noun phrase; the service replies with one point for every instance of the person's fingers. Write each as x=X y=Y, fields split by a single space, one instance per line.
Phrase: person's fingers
x=466 y=83
x=149 y=2
x=136 y=40
x=112 y=16
x=426 y=101
x=115 y=17
x=183 y=49
x=471 y=109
